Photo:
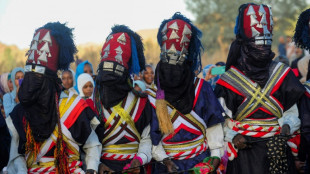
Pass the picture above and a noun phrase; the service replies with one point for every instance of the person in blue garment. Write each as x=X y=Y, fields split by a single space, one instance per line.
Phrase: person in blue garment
x=187 y=126
x=302 y=40
x=10 y=100
x=84 y=67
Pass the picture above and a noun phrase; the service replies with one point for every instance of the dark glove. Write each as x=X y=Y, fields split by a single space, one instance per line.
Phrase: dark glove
x=239 y=141
x=285 y=130
x=171 y=167
x=104 y=169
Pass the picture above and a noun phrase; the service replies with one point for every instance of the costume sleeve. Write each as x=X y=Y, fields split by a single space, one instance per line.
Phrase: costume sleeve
x=92 y=149
x=215 y=137
x=290 y=117
x=17 y=162
x=81 y=129
x=145 y=146
x=208 y=106
x=290 y=91
x=159 y=153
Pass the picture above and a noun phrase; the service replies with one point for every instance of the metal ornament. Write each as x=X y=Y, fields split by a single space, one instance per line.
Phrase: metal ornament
x=45 y=48
x=174 y=26
x=43 y=57
x=253 y=20
x=31 y=56
x=174 y=35
x=107 y=48
x=265 y=29
x=263 y=21
x=250 y=11
x=163 y=48
x=34 y=45
x=184 y=39
x=261 y=10
x=164 y=37
x=119 y=52
x=122 y=39
x=47 y=38
x=172 y=50
x=164 y=30
x=36 y=37
x=254 y=32
x=186 y=30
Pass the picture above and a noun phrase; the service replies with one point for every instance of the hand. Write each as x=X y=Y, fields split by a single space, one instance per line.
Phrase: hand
x=209 y=75
x=239 y=141
x=134 y=167
x=216 y=163
x=103 y=169
x=90 y=171
x=285 y=130
x=171 y=167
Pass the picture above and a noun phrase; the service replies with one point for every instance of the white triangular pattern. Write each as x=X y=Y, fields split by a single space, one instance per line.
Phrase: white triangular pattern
x=119 y=58
x=254 y=32
x=174 y=35
x=163 y=48
x=34 y=45
x=186 y=30
x=107 y=48
x=270 y=11
x=31 y=56
x=261 y=10
x=263 y=21
x=45 y=48
x=184 y=50
x=184 y=39
x=253 y=20
x=43 y=57
x=39 y=63
x=49 y=55
x=164 y=38
x=106 y=54
x=265 y=29
x=259 y=26
x=174 y=26
x=47 y=37
x=250 y=11
x=172 y=49
x=163 y=31
x=36 y=37
x=119 y=50
x=109 y=38
x=121 y=39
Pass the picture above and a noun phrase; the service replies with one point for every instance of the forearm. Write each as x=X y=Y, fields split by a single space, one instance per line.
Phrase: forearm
x=92 y=149
x=215 y=137
x=290 y=117
x=145 y=146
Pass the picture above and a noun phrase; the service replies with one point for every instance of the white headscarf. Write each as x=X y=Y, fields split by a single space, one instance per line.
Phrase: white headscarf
x=82 y=80
x=4 y=82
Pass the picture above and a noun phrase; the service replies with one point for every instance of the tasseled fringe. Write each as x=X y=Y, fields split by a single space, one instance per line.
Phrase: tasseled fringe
x=164 y=119
x=60 y=153
x=32 y=147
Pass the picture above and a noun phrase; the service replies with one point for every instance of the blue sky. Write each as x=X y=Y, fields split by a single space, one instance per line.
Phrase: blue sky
x=92 y=19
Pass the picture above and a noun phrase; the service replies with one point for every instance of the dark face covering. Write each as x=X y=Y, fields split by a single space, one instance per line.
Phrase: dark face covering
x=37 y=96
x=178 y=83
x=253 y=60
x=112 y=87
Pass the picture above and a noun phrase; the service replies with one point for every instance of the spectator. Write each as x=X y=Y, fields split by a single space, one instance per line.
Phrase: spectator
x=282 y=59
x=86 y=87
x=10 y=100
x=68 y=81
x=148 y=76
x=206 y=72
x=84 y=67
x=281 y=47
x=290 y=49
